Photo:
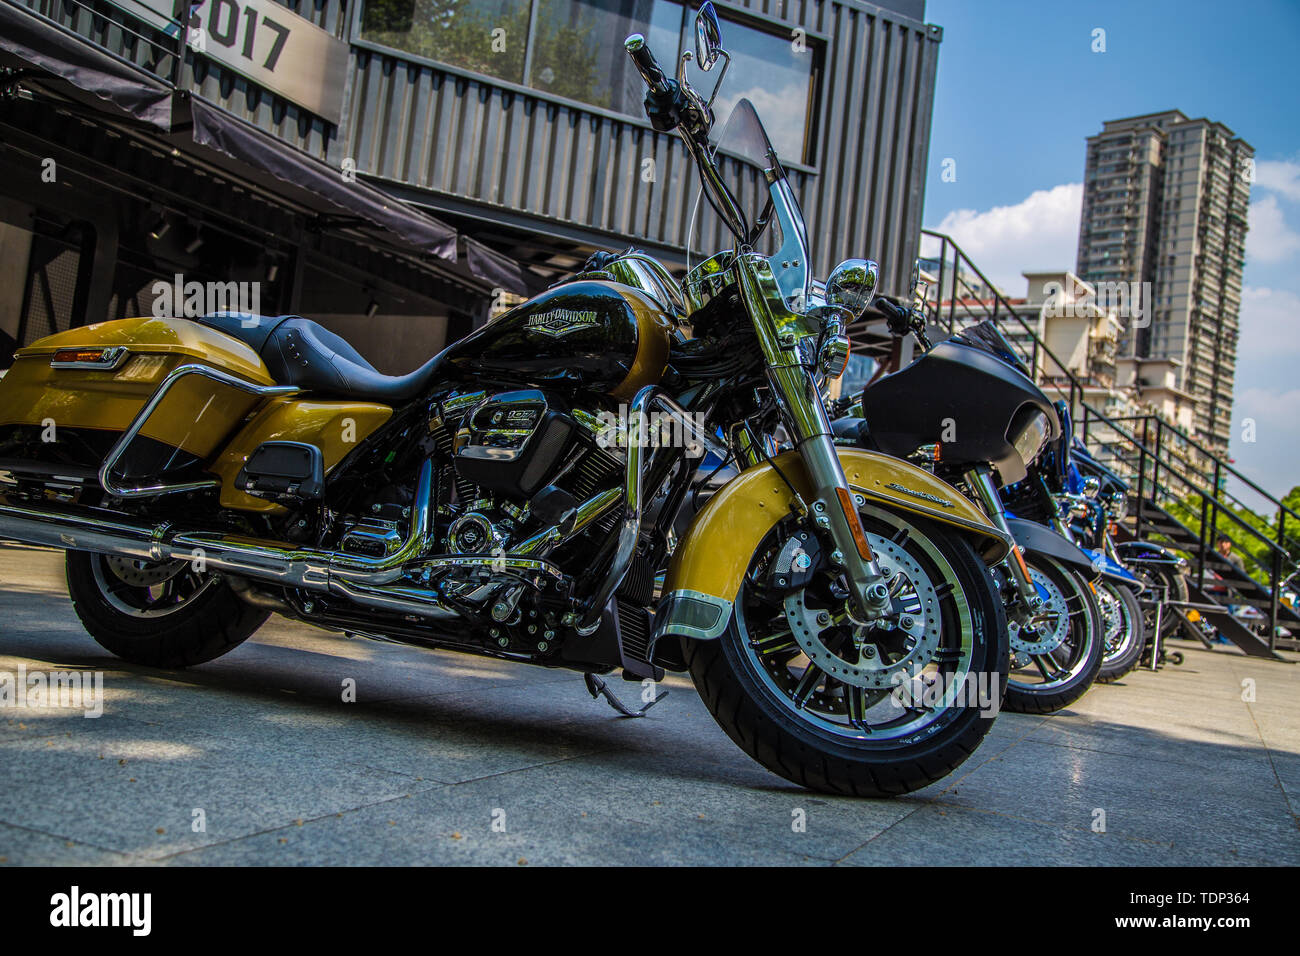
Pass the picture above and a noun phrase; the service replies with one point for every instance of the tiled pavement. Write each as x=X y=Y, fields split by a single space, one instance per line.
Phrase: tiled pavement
x=438 y=747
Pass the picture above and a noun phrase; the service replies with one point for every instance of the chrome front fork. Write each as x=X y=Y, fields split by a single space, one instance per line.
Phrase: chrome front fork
x=832 y=509
x=780 y=332
x=981 y=482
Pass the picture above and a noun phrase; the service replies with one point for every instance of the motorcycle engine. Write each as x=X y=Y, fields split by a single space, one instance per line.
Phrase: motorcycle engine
x=516 y=461
x=513 y=443
x=507 y=465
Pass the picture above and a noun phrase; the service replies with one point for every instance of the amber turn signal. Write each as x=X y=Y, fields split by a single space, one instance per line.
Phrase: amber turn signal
x=855 y=524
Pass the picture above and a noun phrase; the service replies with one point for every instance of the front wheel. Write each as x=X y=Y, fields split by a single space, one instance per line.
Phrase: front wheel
x=1056 y=651
x=163 y=614
x=866 y=709
x=1125 y=632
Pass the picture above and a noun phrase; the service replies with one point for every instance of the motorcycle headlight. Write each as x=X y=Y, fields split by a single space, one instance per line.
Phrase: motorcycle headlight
x=1030 y=438
x=852 y=285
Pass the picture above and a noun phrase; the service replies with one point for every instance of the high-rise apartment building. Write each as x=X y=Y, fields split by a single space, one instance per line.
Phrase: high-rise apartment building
x=1164 y=206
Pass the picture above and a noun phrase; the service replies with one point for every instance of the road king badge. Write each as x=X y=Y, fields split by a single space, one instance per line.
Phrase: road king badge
x=558 y=322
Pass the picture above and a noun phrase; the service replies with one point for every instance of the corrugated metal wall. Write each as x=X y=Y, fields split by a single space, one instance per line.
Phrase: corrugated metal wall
x=108 y=27
x=413 y=123
x=468 y=139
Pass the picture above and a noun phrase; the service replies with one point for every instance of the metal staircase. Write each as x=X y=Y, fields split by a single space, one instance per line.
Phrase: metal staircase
x=1179 y=489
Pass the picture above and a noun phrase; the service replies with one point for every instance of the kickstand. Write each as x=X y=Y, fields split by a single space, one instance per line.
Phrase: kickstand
x=597 y=687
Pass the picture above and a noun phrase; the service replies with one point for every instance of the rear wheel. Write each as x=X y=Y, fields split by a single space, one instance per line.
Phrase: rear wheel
x=846 y=707
x=1125 y=634
x=163 y=614
x=1056 y=654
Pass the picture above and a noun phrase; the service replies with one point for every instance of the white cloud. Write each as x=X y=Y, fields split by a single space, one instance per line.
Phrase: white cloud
x=1270 y=321
x=1039 y=233
x=783 y=127
x=1269 y=461
x=1269 y=239
x=1279 y=175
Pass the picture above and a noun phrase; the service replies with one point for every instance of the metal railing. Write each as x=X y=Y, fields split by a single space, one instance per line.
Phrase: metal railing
x=1166 y=468
x=137 y=32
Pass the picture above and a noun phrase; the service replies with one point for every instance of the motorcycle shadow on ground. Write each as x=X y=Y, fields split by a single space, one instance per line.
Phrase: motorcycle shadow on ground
x=328 y=685
x=1029 y=794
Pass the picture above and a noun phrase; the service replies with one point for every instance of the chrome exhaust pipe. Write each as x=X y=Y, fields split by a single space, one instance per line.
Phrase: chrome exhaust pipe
x=76 y=532
x=354 y=578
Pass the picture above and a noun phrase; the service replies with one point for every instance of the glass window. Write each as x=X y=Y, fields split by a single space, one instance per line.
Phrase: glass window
x=574 y=49
x=774 y=71
x=485 y=36
x=578 y=48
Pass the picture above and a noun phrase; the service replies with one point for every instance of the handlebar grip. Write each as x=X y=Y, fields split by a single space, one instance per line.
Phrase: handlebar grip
x=892 y=310
x=646 y=64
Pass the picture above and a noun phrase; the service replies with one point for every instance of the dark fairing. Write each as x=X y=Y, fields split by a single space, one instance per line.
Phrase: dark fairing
x=960 y=396
x=1037 y=539
x=1088 y=465
x=986 y=336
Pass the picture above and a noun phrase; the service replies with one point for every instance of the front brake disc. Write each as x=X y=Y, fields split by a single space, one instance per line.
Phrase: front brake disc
x=915 y=631
x=143 y=574
x=1050 y=626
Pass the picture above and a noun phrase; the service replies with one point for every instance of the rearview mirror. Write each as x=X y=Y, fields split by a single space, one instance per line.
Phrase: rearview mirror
x=708 y=37
x=921 y=282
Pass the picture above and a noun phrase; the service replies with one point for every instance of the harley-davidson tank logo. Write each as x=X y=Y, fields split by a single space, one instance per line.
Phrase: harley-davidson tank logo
x=559 y=322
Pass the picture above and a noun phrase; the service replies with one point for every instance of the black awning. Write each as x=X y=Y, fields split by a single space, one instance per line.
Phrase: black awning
x=238 y=140
x=49 y=48
x=230 y=143
x=500 y=270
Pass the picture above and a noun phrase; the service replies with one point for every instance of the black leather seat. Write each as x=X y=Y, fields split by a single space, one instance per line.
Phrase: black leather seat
x=304 y=353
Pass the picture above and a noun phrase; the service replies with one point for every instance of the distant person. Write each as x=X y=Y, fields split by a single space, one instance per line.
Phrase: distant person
x=1224 y=547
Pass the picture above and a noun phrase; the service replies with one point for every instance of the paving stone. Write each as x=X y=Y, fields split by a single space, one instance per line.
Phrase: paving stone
x=1188 y=768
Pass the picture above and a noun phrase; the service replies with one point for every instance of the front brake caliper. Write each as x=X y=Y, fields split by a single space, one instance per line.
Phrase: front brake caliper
x=796 y=563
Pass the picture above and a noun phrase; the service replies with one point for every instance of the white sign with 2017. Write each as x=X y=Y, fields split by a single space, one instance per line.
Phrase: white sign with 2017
x=264 y=41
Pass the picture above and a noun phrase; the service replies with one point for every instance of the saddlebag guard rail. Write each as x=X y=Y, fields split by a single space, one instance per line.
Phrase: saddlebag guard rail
x=119 y=449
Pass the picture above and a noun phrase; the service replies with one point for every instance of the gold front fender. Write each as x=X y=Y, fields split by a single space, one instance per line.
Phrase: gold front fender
x=711 y=560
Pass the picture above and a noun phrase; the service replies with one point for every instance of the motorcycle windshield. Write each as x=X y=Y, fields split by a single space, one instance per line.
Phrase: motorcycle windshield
x=744 y=153
x=985 y=335
x=743 y=136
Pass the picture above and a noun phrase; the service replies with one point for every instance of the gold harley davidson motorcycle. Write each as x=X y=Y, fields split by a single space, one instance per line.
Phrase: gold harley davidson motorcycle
x=205 y=474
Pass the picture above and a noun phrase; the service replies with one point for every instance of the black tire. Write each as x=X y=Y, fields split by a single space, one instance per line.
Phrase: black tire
x=1162 y=581
x=211 y=623
x=754 y=715
x=1117 y=662
x=1082 y=660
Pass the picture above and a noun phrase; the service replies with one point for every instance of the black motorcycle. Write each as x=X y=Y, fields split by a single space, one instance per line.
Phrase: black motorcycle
x=1069 y=491
x=968 y=410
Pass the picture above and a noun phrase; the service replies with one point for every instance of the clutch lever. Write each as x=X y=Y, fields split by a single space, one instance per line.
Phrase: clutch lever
x=902 y=320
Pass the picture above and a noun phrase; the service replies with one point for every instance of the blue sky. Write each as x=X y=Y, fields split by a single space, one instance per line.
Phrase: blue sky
x=1019 y=89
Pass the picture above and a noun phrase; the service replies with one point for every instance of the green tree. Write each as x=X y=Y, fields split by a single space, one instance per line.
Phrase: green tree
x=1255 y=549
x=484 y=36
x=564 y=48
x=492 y=36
